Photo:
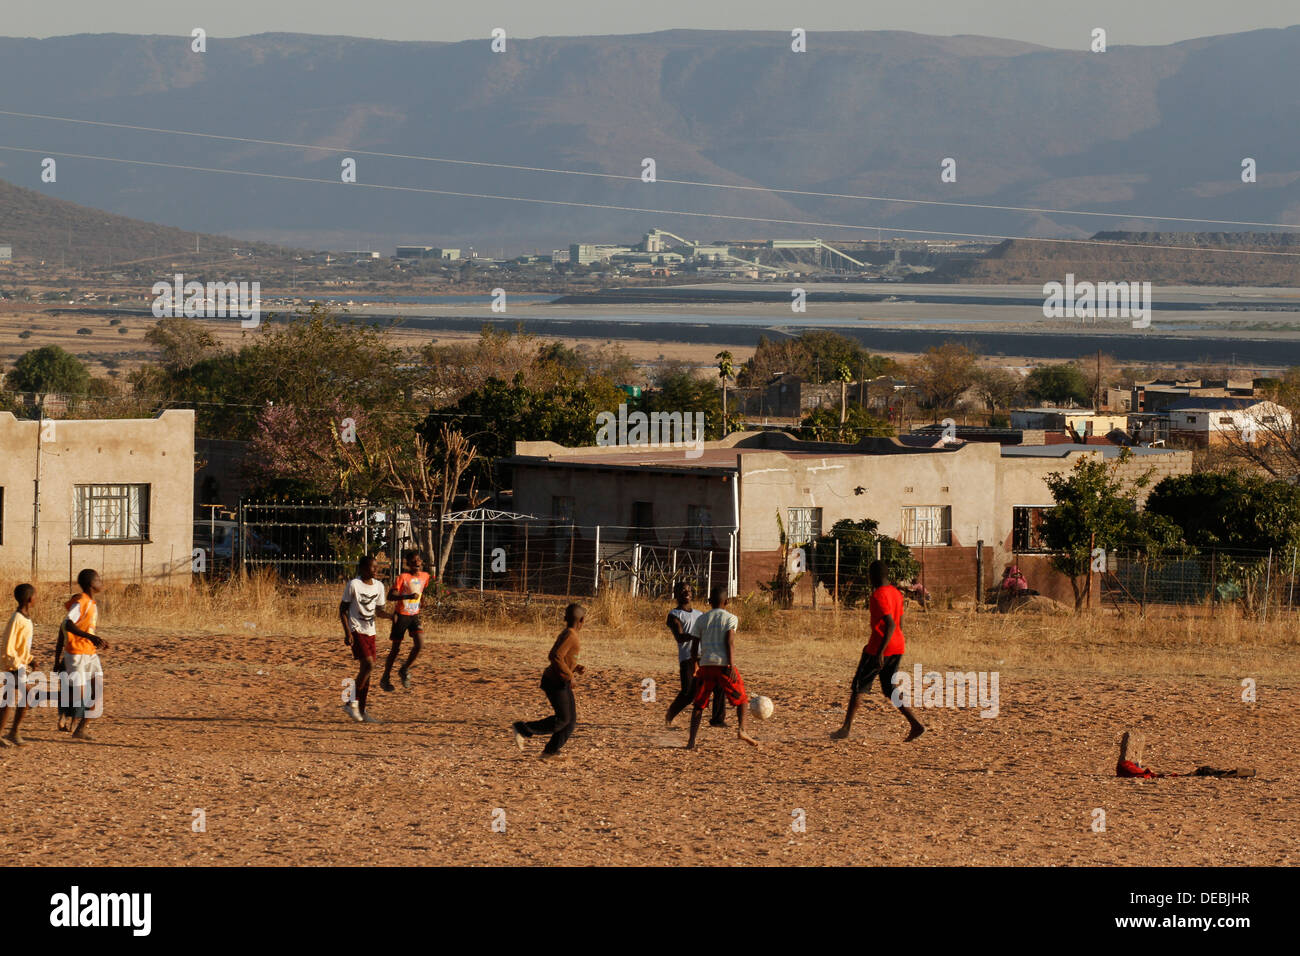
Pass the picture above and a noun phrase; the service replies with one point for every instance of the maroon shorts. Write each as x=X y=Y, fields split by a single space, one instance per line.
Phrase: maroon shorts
x=363 y=647
x=708 y=679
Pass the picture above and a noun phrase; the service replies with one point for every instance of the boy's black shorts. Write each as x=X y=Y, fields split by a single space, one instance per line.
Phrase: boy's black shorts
x=867 y=671
x=404 y=624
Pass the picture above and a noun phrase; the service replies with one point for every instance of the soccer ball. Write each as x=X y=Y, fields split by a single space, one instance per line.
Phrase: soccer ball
x=761 y=707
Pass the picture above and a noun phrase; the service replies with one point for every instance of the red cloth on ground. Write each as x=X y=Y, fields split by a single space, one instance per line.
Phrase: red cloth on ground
x=1127 y=768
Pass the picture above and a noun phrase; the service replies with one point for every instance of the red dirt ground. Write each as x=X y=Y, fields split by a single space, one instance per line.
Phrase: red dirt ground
x=250 y=730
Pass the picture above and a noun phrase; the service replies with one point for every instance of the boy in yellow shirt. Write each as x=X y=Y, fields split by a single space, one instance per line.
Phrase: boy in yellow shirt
x=15 y=659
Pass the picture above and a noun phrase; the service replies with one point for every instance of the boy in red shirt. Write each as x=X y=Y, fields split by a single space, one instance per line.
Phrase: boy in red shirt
x=406 y=591
x=883 y=651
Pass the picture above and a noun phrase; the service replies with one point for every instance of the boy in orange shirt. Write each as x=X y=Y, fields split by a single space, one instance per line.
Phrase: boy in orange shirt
x=406 y=591
x=82 y=683
x=883 y=652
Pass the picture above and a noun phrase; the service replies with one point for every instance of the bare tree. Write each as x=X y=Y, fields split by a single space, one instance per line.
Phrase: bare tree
x=421 y=480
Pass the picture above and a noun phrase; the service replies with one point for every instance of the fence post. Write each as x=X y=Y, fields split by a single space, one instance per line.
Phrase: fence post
x=979 y=573
x=525 y=557
x=595 y=589
x=837 y=572
x=708 y=581
x=1290 y=597
x=636 y=569
x=482 y=543
x=1268 y=582
x=812 y=570
x=568 y=582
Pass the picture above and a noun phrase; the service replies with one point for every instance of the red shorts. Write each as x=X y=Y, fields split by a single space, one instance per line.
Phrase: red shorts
x=363 y=647
x=711 y=678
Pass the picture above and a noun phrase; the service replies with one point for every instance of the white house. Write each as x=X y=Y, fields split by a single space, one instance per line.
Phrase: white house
x=1212 y=421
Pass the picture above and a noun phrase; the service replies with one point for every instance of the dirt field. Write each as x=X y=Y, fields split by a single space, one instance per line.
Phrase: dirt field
x=246 y=725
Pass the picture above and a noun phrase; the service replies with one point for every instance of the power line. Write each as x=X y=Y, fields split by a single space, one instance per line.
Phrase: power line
x=675 y=182
x=609 y=207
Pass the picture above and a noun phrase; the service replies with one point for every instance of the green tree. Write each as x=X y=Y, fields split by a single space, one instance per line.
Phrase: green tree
x=1230 y=511
x=1095 y=508
x=858 y=541
x=678 y=389
x=822 y=424
x=49 y=369
x=1059 y=385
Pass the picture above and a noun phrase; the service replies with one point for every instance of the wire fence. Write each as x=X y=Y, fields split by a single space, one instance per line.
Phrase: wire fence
x=490 y=550
x=483 y=549
x=1260 y=581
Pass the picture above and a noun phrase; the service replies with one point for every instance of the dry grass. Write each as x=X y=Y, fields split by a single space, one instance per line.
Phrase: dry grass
x=626 y=631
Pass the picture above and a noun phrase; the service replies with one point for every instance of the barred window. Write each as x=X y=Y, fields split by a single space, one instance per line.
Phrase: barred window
x=1026 y=529
x=804 y=525
x=111 y=513
x=927 y=525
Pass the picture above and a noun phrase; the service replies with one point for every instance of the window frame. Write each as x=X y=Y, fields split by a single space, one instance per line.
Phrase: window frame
x=795 y=522
x=945 y=527
x=82 y=519
x=1032 y=530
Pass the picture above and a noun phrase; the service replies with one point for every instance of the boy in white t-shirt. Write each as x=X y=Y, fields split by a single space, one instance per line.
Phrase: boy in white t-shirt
x=681 y=624
x=363 y=601
x=717 y=633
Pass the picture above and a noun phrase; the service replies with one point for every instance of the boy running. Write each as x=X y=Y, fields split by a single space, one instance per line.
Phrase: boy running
x=557 y=683
x=717 y=633
x=406 y=591
x=681 y=624
x=362 y=599
x=15 y=659
x=77 y=648
x=883 y=652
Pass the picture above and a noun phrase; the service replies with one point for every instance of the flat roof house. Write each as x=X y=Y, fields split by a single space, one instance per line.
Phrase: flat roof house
x=940 y=499
x=116 y=495
x=1214 y=421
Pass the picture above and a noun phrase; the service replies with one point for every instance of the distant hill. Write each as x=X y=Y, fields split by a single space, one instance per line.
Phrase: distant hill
x=1133 y=131
x=42 y=228
x=1017 y=262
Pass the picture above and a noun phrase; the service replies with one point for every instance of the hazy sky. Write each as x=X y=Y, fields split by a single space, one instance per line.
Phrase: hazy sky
x=1061 y=23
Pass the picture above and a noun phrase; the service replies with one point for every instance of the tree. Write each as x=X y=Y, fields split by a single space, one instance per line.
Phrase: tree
x=1062 y=384
x=1231 y=511
x=183 y=342
x=944 y=372
x=858 y=541
x=49 y=369
x=678 y=389
x=1095 y=508
x=998 y=389
x=822 y=424
x=726 y=371
x=844 y=375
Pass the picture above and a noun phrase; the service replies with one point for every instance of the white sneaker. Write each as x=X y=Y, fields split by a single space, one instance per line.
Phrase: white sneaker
x=353 y=710
x=367 y=719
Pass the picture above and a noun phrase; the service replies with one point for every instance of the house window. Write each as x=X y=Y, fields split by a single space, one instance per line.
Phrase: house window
x=927 y=525
x=1225 y=419
x=804 y=525
x=1191 y=419
x=1026 y=529
x=699 y=526
x=111 y=513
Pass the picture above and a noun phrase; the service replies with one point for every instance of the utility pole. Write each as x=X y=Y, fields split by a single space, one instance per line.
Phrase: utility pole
x=36 y=489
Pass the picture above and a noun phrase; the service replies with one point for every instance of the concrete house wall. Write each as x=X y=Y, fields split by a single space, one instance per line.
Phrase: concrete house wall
x=875 y=479
x=157 y=452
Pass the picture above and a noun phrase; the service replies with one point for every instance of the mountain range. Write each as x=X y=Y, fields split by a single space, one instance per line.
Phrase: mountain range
x=1131 y=132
